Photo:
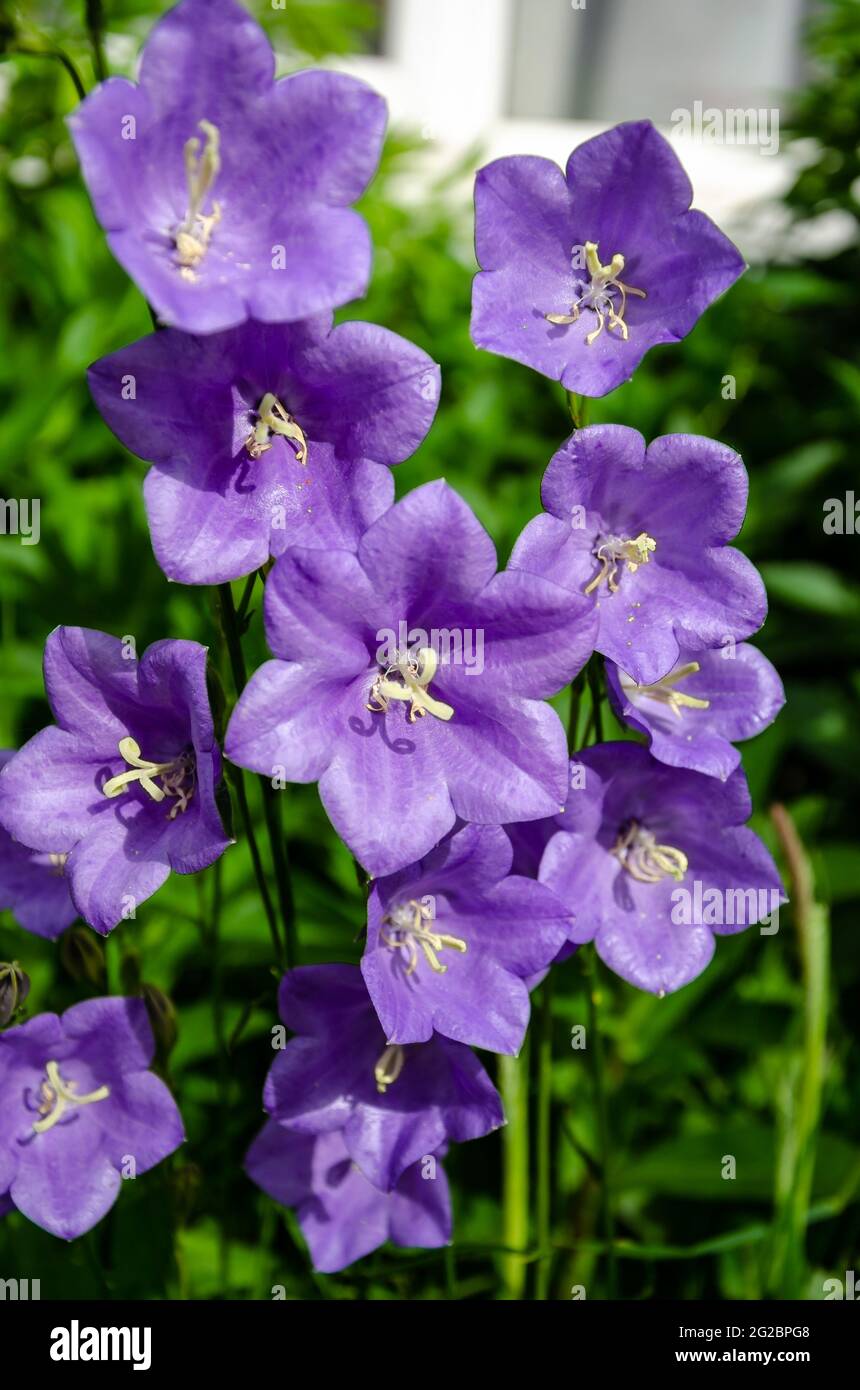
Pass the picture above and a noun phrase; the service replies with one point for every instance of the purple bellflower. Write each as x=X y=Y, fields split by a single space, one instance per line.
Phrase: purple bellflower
x=265 y=436
x=583 y=272
x=644 y=533
x=342 y=1215
x=655 y=860
x=80 y=1110
x=393 y=1104
x=123 y=785
x=409 y=680
x=226 y=195
x=692 y=716
x=453 y=941
x=33 y=886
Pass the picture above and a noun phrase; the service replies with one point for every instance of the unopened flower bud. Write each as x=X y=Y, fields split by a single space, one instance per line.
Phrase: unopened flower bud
x=14 y=988
x=83 y=955
x=162 y=1017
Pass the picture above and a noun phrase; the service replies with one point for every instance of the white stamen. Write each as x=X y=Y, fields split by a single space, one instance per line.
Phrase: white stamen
x=57 y=1096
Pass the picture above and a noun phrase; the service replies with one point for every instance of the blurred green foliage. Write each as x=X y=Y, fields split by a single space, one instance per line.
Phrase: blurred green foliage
x=711 y=1071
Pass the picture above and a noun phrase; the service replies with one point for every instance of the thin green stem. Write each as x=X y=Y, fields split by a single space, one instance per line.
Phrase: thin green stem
x=514 y=1086
x=543 y=1206
x=213 y=934
x=95 y=29
x=595 y=686
x=578 y=407
x=245 y=600
x=274 y=829
x=56 y=55
x=597 y=1062
x=577 y=689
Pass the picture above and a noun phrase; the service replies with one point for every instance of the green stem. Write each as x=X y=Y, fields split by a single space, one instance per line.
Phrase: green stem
x=274 y=829
x=797 y=1164
x=514 y=1086
x=596 y=688
x=578 y=407
x=58 y=56
x=95 y=27
x=230 y=630
x=577 y=689
x=223 y=1062
x=597 y=1062
x=543 y=1212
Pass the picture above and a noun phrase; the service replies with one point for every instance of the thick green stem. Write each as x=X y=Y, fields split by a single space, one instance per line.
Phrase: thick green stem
x=597 y=1062
x=514 y=1086
x=543 y=1206
x=797 y=1161
x=95 y=28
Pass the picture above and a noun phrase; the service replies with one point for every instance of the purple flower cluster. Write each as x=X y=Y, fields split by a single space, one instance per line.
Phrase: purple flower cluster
x=409 y=678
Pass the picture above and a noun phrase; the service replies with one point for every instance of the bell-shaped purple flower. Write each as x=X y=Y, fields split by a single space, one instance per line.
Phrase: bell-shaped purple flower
x=393 y=1104
x=644 y=534
x=409 y=680
x=452 y=943
x=33 y=886
x=707 y=701
x=224 y=194
x=265 y=436
x=342 y=1215
x=80 y=1110
x=582 y=272
x=123 y=785
x=654 y=860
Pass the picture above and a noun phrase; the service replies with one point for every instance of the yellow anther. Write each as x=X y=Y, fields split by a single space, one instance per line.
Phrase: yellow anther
x=614 y=550
x=664 y=690
x=57 y=1096
x=407 y=679
x=410 y=931
x=389 y=1067
x=194 y=232
x=645 y=860
x=599 y=295
x=274 y=419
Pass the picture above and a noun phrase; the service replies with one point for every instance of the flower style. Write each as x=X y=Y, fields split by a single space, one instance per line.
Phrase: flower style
x=392 y=1104
x=123 y=785
x=342 y=1215
x=79 y=1104
x=33 y=886
x=409 y=681
x=226 y=195
x=583 y=272
x=644 y=533
x=453 y=941
x=656 y=860
x=707 y=700
x=265 y=436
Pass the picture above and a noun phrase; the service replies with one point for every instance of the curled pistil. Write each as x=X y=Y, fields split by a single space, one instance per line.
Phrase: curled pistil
x=194 y=232
x=614 y=551
x=411 y=931
x=407 y=678
x=389 y=1067
x=664 y=690
x=57 y=1096
x=176 y=777
x=644 y=859
x=272 y=418
x=599 y=295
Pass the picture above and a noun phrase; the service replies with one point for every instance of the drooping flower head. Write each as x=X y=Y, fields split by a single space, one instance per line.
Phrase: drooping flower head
x=342 y=1215
x=409 y=680
x=33 y=886
x=656 y=860
x=393 y=1104
x=583 y=272
x=453 y=941
x=265 y=436
x=224 y=194
x=79 y=1109
x=707 y=701
x=122 y=787
x=644 y=533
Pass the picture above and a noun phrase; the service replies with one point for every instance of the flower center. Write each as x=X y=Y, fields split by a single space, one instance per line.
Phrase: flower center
x=407 y=678
x=664 y=690
x=272 y=418
x=56 y=1096
x=176 y=777
x=191 y=238
x=389 y=1067
x=639 y=853
x=58 y=864
x=410 y=931
x=615 y=550
x=603 y=293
